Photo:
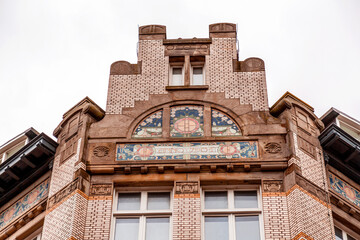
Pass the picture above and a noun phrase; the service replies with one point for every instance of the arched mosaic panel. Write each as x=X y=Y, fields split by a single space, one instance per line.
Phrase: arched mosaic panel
x=187 y=121
x=222 y=125
x=150 y=127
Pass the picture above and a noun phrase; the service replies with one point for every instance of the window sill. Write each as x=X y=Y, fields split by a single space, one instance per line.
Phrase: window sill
x=193 y=87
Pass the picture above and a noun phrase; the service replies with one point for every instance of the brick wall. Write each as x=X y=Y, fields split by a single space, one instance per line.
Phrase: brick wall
x=276 y=218
x=98 y=218
x=187 y=217
x=309 y=215
x=66 y=219
x=249 y=87
x=62 y=174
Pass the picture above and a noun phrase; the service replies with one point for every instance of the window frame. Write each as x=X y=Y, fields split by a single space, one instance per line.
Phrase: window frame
x=231 y=212
x=171 y=83
x=345 y=234
x=143 y=213
x=197 y=65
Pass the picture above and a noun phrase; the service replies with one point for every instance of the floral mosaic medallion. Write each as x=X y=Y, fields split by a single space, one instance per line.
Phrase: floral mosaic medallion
x=187 y=121
x=24 y=204
x=222 y=125
x=150 y=127
x=344 y=189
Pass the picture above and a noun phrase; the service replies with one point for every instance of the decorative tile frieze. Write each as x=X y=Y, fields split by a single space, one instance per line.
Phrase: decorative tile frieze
x=150 y=127
x=189 y=150
x=222 y=125
x=187 y=121
x=30 y=200
x=344 y=189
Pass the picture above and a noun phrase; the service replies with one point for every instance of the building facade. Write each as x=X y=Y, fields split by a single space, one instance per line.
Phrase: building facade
x=188 y=148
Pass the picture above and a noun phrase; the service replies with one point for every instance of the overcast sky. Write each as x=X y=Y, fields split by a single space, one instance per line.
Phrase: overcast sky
x=54 y=53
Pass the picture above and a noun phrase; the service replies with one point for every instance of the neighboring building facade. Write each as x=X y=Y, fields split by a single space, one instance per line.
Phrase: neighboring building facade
x=24 y=184
x=188 y=148
x=341 y=143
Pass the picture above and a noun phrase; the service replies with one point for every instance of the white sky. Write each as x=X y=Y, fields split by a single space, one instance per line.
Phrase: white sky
x=54 y=53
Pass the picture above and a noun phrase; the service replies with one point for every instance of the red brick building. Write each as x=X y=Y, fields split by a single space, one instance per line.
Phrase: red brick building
x=188 y=148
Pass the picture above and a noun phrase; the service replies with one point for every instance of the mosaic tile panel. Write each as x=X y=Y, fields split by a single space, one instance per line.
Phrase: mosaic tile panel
x=25 y=203
x=344 y=189
x=187 y=121
x=151 y=127
x=222 y=125
x=190 y=150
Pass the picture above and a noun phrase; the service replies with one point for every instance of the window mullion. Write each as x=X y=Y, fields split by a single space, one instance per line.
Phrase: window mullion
x=232 y=233
x=231 y=202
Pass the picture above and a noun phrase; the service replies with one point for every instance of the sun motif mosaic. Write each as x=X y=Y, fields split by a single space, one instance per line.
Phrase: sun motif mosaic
x=222 y=125
x=187 y=122
x=189 y=150
x=344 y=189
x=150 y=127
x=25 y=203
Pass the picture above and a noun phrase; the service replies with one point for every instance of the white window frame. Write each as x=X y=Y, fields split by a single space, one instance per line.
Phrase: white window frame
x=192 y=74
x=171 y=83
x=142 y=213
x=231 y=212
x=344 y=233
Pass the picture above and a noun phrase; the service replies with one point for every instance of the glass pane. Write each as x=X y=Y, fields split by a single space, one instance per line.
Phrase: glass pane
x=127 y=229
x=246 y=199
x=338 y=234
x=247 y=227
x=129 y=201
x=157 y=228
x=158 y=201
x=350 y=237
x=198 y=76
x=216 y=200
x=177 y=77
x=216 y=228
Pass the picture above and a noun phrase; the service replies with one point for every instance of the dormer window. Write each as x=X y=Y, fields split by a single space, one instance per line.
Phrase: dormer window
x=186 y=71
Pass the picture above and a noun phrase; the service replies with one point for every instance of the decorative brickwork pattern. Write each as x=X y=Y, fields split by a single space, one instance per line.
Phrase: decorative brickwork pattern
x=63 y=173
x=308 y=215
x=187 y=217
x=312 y=169
x=250 y=87
x=124 y=90
x=98 y=218
x=276 y=218
x=67 y=219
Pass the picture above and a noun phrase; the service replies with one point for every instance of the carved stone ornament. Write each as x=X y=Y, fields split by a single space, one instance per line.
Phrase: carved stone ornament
x=101 y=189
x=101 y=151
x=66 y=191
x=273 y=186
x=273 y=147
x=186 y=188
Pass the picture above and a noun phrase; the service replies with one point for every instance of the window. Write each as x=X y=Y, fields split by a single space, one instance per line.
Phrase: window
x=36 y=235
x=232 y=214
x=342 y=235
x=7 y=154
x=177 y=76
x=197 y=76
x=142 y=215
x=186 y=70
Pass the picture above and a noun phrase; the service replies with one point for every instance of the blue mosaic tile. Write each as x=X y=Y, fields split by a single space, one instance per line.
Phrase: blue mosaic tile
x=222 y=125
x=150 y=127
x=187 y=122
x=25 y=203
x=188 y=150
x=344 y=189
